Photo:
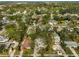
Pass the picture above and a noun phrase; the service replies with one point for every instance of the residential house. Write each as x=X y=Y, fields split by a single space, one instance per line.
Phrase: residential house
x=71 y=44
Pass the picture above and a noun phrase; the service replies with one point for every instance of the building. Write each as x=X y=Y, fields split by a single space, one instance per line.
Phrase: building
x=3 y=39
x=5 y=20
x=26 y=43
x=71 y=44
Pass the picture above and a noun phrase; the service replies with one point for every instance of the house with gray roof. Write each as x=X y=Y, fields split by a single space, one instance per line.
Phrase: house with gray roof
x=71 y=44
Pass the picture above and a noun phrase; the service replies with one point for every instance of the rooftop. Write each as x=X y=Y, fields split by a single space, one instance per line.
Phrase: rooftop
x=71 y=43
x=3 y=39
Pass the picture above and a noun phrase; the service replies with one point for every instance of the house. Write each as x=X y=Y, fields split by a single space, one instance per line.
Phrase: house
x=40 y=43
x=26 y=43
x=71 y=44
x=5 y=20
x=3 y=39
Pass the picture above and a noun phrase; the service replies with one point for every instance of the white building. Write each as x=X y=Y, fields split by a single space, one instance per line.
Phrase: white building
x=71 y=44
x=3 y=39
x=5 y=20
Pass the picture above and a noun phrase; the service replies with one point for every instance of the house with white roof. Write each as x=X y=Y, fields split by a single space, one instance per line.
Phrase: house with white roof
x=5 y=20
x=3 y=39
x=71 y=44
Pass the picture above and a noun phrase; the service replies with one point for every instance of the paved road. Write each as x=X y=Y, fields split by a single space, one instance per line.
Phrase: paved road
x=74 y=52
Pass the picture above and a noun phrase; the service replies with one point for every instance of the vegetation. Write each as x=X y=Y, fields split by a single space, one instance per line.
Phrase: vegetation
x=37 y=16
